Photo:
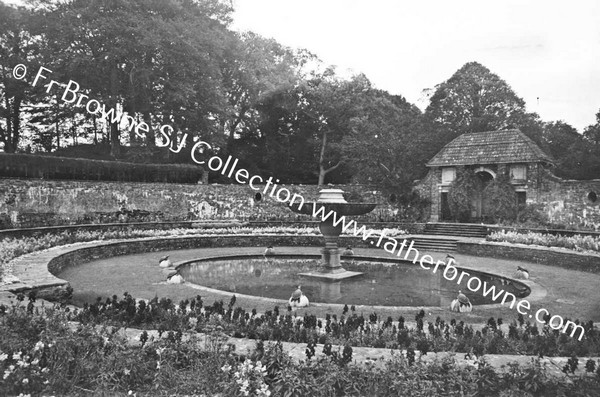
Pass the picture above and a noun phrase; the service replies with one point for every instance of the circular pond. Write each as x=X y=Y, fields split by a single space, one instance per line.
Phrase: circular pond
x=382 y=284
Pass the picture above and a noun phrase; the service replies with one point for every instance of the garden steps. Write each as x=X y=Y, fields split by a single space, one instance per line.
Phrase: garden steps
x=428 y=243
x=456 y=229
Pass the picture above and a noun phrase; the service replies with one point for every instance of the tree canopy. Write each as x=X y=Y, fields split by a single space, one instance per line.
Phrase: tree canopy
x=279 y=110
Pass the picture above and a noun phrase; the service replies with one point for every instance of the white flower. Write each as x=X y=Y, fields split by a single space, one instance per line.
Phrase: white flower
x=25 y=381
x=226 y=368
x=6 y=374
x=35 y=362
x=16 y=356
x=45 y=370
x=23 y=364
x=3 y=356
x=38 y=346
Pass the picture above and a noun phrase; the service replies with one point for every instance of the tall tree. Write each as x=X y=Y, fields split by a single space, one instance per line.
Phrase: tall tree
x=574 y=154
x=592 y=133
x=255 y=70
x=383 y=141
x=17 y=46
x=474 y=100
x=329 y=103
x=155 y=59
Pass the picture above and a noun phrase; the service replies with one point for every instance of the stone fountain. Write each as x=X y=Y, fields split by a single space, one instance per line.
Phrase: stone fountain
x=332 y=200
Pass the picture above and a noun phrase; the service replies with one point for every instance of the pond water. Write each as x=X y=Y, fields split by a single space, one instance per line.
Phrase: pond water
x=385 y=284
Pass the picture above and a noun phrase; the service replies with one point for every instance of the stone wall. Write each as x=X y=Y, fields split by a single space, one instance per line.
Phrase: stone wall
x=569 y=202
x=542 y=255
x=33 y=202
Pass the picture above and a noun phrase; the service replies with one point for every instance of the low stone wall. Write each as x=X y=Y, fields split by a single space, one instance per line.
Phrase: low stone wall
x=108 y=250
x=541 y=255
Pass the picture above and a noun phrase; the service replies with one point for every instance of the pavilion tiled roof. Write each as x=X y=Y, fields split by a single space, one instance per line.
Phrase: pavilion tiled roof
x=490 y=147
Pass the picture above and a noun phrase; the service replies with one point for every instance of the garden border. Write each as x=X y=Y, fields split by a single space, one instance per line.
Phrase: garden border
x=549 y=256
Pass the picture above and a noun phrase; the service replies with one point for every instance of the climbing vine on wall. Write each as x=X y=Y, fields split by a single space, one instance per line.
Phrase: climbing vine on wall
x=461 y=193
x=500 y=200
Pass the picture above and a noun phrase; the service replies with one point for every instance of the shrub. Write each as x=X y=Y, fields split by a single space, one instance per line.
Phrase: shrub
x=461 y=193
x=500 y=200
x=51 y=167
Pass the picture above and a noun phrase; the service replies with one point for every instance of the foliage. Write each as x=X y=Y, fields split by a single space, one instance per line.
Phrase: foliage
x=389 y=126
x=42 y=353
x=500 y=200
x=461 y=193
x=532 y=215
x=49 y=167
x=474 y=99
x=279 y=110
x=576 y=242
x=17 y=45
x=576 y=157
x=350 y=329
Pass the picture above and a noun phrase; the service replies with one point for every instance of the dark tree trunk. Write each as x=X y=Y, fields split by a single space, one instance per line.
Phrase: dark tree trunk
x=150 y=135
x=115 y=134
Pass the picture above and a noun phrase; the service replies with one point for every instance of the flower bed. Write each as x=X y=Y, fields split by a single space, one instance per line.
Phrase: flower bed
x=42 y=354
x=576 y=242
x=347 y=328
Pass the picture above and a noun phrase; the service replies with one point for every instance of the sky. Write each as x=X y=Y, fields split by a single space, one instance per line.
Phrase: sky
x=547 y=51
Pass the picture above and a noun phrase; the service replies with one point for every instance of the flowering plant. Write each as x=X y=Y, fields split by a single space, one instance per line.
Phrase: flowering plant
x=249 y=378
x=576 y=242
x=25 y=370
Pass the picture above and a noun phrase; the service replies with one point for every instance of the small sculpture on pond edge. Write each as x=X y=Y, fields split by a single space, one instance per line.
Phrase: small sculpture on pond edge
x=269 y=251
x=165 y=262
x=298 y=299
x=461 y=304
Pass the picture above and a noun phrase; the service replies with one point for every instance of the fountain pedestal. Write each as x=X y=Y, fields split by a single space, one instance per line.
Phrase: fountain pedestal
x=332 y=200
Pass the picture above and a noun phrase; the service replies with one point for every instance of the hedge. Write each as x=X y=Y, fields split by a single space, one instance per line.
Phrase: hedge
x=50 y=167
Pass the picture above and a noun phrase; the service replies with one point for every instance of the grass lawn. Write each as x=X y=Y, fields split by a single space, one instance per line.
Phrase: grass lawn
x=571 y=294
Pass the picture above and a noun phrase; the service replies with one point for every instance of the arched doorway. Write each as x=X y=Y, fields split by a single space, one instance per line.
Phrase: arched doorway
x=485 y=176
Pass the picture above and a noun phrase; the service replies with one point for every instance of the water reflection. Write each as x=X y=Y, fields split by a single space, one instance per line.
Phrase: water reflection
x=396 y=284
